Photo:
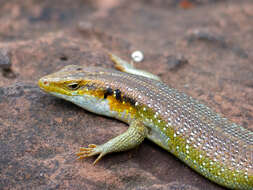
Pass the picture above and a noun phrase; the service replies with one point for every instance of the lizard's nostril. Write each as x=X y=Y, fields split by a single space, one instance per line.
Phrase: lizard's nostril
x=43 y=83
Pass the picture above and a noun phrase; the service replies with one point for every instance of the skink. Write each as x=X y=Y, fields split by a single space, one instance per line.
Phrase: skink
x=217 y=148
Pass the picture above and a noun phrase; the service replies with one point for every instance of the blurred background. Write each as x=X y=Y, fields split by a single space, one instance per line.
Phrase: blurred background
x=201 y=47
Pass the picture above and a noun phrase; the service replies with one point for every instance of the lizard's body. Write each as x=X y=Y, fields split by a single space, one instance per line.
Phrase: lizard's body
x=207 y=142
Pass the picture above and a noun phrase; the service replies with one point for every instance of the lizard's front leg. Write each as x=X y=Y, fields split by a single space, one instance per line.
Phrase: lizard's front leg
x=135 y=134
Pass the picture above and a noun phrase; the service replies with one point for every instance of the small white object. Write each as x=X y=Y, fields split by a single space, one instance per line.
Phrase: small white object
x=137 y=56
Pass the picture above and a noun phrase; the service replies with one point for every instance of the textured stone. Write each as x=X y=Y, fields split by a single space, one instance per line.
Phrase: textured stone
x=39 y=134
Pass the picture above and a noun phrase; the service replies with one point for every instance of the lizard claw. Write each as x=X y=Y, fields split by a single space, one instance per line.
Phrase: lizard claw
x=90 y=151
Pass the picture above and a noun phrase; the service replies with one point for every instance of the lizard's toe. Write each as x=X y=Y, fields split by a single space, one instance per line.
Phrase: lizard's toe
x=90 y=151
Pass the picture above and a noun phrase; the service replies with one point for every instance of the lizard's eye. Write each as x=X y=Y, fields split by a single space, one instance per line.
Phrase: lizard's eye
x=73 y=86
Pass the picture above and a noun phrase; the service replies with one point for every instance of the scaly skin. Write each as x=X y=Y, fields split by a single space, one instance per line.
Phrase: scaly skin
x=218 y=149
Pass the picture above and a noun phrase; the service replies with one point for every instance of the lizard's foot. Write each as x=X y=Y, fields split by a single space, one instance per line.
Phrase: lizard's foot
x=129 y=139
x=126 y=67
x=90 y=151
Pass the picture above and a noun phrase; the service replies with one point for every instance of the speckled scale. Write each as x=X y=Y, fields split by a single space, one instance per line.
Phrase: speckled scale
x=177 y=103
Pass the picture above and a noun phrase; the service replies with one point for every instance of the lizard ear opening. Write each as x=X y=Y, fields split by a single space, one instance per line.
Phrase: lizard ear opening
x=73 y=86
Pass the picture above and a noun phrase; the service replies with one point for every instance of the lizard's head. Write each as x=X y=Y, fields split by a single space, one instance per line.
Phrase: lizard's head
x=87 y=87
x=67 y=81
x=77 y=84
x=72 y=80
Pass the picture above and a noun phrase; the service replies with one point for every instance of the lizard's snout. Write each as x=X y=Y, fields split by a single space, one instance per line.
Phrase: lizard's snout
x=43 y=83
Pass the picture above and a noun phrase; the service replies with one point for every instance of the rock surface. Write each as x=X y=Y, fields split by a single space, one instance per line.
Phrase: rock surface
x=201 y=47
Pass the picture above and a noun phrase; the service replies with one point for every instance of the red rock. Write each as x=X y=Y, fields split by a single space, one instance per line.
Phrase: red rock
x=39 y=134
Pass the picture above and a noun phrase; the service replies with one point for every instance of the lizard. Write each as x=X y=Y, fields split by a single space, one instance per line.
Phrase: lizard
x=206 y=141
